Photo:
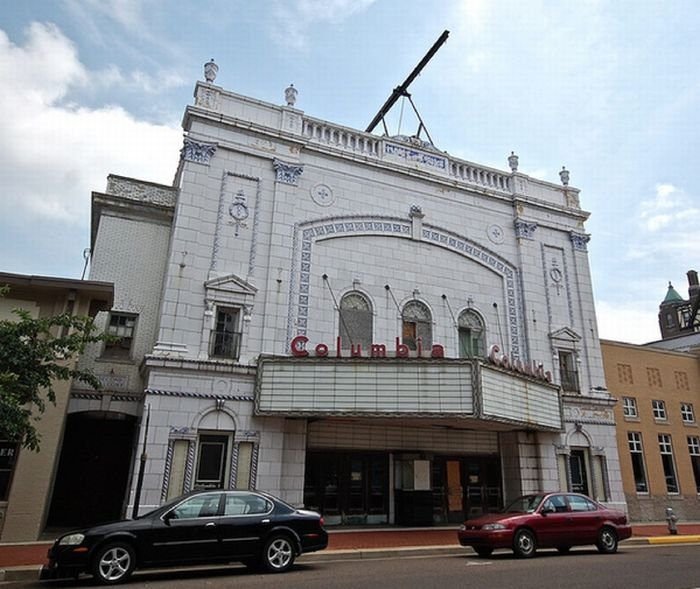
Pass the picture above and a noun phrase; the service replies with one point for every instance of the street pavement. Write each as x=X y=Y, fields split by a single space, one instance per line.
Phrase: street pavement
x=23 y=561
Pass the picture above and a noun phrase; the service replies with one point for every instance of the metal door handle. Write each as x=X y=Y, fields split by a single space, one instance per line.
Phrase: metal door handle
x=266 y=521
x=209 y=525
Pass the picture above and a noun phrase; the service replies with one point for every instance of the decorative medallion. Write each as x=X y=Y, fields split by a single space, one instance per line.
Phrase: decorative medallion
x=322 y=195
x=495 y=234
x=238 y=210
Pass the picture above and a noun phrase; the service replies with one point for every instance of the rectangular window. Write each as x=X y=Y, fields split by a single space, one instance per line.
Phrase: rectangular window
x=121 y=327
x=568 y=372
x=8 y=458
x=629 y=406
x=687 y=413
x=666 y=451
x=634 y=440
x=659 y=410
x=226 y=336
x=694 y=451
x=211 y=462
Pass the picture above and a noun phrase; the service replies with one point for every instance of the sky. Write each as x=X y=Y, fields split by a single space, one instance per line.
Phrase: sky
x=607 y=88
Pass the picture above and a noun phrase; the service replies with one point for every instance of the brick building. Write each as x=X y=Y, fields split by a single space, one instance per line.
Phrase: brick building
x=658 y=433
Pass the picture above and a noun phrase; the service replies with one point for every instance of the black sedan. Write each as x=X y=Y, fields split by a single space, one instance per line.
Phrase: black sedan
x=202 y=527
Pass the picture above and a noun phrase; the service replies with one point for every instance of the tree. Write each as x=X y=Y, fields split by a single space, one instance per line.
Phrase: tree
x=32 y=360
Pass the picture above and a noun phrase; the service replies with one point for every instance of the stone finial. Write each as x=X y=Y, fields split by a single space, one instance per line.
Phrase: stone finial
x=513 y=162
x=210 y=69
x=290 y=95
x=564 y=175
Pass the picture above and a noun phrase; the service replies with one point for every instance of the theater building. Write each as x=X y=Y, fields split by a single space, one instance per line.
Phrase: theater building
x=363 y=324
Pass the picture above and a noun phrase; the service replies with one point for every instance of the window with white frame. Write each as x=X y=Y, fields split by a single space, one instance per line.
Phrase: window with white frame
x=212 y=456
x=658 y=409
x=629 y=407
x=694 y=451
x=634 y=441
x=687 y=413
x=355 y=321
x=568 y=371
x=666 y=451
x=121 y=329
x=226 y=335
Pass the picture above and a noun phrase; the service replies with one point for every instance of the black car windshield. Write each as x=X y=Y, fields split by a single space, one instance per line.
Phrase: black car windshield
x=526 y=504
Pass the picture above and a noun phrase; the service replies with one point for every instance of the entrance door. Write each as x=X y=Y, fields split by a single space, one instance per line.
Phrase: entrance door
x=579 y=475
x=455 y=493
x=93 y=471
x=349 y=488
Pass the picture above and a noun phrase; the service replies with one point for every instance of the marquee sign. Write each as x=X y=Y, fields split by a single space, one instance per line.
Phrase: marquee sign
x=533 y=369
x=322 y=350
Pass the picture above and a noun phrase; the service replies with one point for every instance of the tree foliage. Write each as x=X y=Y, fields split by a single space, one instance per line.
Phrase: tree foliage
x=34 y=355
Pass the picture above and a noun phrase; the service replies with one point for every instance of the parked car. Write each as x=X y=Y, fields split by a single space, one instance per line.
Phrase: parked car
x=201 y=527
x=546 y=520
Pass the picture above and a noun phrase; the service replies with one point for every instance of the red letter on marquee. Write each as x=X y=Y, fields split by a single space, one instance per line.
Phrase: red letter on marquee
x=401 y=349
x=297 y=346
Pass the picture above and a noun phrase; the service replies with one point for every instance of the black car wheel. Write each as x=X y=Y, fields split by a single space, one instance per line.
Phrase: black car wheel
x=278 y=554
x=483 y=551
x=113 y=563
x=607 y=541
x=524 y=544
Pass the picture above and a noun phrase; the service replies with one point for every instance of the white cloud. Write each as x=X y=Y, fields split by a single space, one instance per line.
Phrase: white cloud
x=293 y=19
x=670 y=208
x=128 y=13
x=55 y=154
x=630 y=322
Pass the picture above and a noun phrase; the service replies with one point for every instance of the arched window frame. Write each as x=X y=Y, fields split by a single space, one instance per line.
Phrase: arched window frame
x=355 y=324
x=471 y=334
x=416 y=322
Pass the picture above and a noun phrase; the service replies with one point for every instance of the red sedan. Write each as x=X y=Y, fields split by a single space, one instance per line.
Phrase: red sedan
x=546 y=520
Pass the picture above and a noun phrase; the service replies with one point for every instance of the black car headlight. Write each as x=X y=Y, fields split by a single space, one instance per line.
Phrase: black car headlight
x=71 y=540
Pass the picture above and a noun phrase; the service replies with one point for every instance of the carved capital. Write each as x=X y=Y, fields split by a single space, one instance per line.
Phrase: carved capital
x=200 y=153
x=525 y=229
x=287 y=173
x=580 y=241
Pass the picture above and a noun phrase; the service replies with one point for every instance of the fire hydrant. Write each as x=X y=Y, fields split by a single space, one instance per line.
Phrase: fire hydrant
x=671 y=519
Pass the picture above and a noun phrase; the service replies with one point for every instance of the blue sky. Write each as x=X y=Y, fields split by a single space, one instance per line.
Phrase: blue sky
x=608 y=88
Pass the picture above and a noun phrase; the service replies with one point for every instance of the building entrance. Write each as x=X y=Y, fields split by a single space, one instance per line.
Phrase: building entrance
x=348 y=488
x=93 y=471
x=465 y=486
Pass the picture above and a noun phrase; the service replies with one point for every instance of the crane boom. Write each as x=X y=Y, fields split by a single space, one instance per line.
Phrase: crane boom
x=402 y=89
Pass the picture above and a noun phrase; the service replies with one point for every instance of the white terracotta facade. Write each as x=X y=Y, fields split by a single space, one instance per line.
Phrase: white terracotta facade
x=278 y=216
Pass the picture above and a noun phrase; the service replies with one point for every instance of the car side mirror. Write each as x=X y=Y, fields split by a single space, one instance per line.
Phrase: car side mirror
x=168 y=516
x=546 y=510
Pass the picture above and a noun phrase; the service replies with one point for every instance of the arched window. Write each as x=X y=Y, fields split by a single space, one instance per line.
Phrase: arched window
x=471 y=335
x=416 y=323
x=355 y=321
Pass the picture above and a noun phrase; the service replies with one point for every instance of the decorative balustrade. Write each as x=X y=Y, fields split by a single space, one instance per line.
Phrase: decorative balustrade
x=480 y=176
x=373 y=146
x=341 y=138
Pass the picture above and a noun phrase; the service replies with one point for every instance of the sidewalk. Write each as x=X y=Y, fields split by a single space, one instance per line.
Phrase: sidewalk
x=23 y=561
